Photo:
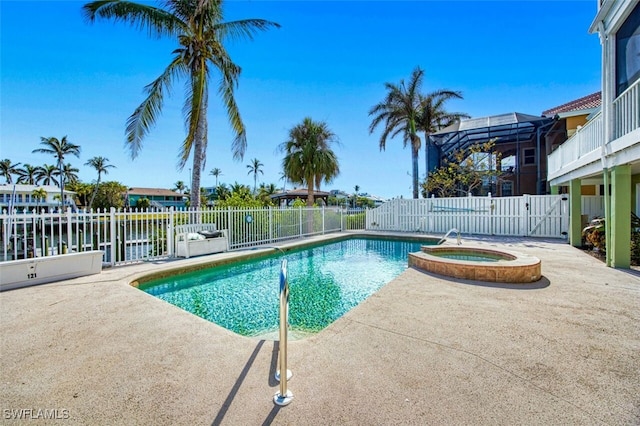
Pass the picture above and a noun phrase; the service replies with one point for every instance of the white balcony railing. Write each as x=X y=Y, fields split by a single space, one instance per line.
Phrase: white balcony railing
x=626 y=119
x=584 y=141
x=626 y=111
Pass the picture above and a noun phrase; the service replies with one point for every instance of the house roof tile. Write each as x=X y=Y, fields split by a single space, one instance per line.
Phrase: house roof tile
x=587 y=102
x=153 y=191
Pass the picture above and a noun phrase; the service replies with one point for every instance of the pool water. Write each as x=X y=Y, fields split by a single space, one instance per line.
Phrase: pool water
x=325 y=282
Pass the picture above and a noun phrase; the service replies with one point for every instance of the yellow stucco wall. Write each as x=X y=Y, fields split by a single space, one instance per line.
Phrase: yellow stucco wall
x=573 y=123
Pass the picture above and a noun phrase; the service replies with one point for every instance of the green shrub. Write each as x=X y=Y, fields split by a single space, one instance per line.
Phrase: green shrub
x=356 y=221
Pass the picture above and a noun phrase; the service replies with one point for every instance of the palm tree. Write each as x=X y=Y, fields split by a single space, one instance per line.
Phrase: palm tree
x=265 y=192
x=83 y=191
x=254 y=168
x=39 y=194
x=355 y=195
x=180 y=187
x=308 y=156
x=222 y=192
x=199 y=29
x=60 y=149
x=240 y=189
x=101 y=166
x=399 y=111
x=432 y=117
x=7 y=169
x=70 y=174
x=28 y=175
x=46 y=174
x=285 y=178
x=216 y=173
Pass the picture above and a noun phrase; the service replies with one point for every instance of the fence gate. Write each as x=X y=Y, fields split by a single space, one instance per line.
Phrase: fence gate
x=548 y=215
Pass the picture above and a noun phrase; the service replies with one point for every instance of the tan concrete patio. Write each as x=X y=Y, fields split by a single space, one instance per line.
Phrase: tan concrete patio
x=423 y=350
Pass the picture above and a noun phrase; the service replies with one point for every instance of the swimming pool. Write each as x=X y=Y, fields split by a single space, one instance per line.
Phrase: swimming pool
x=325 y=282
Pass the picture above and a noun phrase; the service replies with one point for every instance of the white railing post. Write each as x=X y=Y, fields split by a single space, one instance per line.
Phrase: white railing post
x=171 y=226
x=230 y=226
x=112 y=236
x=270 y=224
x=300 y=221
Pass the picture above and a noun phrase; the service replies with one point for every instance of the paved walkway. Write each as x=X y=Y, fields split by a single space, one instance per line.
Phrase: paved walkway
x=422 y=350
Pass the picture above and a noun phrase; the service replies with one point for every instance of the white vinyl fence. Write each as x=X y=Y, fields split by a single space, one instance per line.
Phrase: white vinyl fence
x=528 y=215
x=133 y=236
x=592 y=206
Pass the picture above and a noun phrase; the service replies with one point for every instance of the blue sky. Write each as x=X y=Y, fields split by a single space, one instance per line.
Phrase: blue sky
x=329 y=61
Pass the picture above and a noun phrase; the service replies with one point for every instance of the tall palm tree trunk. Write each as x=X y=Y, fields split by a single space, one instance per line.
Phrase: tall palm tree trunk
x=199 y=148
x=95 y=192
x=414 y=164
x=427 y=145
x=61 y=171
x=310 y=196
x=415 y=147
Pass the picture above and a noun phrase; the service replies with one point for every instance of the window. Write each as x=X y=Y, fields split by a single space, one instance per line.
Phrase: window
x=506 y=189
x=529 y=156
x=628 y=52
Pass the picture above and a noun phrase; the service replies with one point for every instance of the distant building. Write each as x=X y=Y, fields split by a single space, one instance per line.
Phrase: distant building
x=158 y=197
x=519 y=138
x=21 y=197
x=345 y=198
x=285 y=198
x=210 y=192
x=377 y=201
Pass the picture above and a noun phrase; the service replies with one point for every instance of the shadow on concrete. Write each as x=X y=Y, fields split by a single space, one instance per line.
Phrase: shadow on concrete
x=273 y=367
x=632 y=272
x=272 y=415
x=234 y=390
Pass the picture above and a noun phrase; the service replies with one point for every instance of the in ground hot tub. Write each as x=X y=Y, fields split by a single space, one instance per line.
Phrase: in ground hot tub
x=477 y=263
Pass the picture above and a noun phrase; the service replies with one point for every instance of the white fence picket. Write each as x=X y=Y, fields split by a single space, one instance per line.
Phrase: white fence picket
x=592 y=206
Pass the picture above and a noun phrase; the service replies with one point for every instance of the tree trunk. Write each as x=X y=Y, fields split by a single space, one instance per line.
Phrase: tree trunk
x=426 y=160
x=414 y=161
x=95 y=192
x=199 y=154
x=310 y=195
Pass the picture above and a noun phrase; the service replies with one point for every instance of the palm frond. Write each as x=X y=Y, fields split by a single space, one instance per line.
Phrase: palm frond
x=157 y=22
x=145 y=115
x=243 y=29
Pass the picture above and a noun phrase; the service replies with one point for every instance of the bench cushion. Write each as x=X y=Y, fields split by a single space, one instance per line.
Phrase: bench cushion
x=210 y=234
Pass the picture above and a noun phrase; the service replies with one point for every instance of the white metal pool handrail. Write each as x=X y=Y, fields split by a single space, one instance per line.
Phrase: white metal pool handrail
x=284 y=396
x=449 y=232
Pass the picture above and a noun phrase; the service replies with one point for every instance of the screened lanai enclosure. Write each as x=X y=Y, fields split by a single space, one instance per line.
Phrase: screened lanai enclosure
x=520 y=138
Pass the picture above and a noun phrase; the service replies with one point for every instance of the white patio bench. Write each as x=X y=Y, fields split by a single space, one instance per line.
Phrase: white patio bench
x=200 y=239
